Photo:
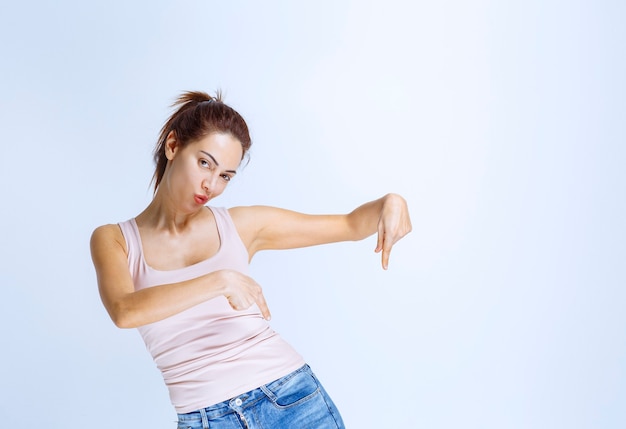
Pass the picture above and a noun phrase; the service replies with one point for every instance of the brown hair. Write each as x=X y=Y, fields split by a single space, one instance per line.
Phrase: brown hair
x=199 y=115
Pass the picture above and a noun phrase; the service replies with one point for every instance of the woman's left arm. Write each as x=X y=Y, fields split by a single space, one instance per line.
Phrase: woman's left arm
x=264 y=228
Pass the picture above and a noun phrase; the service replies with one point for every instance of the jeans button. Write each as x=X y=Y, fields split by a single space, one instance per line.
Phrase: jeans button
x=238 y=402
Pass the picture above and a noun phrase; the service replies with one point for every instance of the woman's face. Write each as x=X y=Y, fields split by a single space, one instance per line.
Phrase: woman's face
x=201 y=170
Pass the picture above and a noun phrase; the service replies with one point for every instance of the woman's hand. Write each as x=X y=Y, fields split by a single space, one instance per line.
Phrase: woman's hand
x=242 y=291
x=393 y=224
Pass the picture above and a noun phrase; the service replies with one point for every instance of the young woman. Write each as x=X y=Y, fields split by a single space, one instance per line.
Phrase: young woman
x=179 y=273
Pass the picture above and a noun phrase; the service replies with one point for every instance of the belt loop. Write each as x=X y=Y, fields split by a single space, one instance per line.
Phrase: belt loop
x=268 y=393
x=205 y=419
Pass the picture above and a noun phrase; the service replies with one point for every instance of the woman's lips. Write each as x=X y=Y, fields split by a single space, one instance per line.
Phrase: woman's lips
x=201 y=199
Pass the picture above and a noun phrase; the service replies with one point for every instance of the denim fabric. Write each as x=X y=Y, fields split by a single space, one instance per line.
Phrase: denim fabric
x=295 y=401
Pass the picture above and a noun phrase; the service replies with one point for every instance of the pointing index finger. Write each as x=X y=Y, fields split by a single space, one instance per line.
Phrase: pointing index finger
x=385 y=258
x=386 y=247
x=265 y=311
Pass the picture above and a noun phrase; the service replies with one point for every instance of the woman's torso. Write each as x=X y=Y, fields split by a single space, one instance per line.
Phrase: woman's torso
x=210 y=352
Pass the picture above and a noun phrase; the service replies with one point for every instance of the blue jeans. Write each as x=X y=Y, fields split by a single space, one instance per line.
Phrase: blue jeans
x=296 y=401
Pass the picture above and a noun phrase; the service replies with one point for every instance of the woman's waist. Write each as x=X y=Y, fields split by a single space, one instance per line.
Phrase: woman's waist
x=211 y=380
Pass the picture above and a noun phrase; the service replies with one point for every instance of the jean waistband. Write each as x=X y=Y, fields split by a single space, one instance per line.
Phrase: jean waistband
x=242 y=401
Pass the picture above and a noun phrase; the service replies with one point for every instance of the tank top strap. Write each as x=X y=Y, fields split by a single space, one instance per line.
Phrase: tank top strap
x=229 y=236
x=133 y=245
x=223 y=222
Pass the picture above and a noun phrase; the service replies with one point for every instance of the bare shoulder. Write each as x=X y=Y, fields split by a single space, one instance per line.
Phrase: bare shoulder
x=246 y=214
x=256 y=223
x=107 y=237
x=241 y=212
x=246 y=220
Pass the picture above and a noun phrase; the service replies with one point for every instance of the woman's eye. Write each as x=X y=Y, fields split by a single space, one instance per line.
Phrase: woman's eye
x=204 y=163
x=226 y=177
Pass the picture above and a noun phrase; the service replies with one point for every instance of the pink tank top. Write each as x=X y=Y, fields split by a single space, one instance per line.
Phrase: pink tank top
x=210 y=352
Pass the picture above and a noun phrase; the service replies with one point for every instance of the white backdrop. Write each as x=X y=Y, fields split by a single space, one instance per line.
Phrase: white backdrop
x=502 y=124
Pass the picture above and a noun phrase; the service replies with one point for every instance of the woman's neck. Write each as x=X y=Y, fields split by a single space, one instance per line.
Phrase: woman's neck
x=163 y=214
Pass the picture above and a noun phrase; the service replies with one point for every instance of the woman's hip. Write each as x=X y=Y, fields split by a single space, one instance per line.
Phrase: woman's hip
x=297 y=400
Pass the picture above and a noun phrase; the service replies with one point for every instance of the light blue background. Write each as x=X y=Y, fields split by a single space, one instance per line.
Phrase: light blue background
x=502 y=123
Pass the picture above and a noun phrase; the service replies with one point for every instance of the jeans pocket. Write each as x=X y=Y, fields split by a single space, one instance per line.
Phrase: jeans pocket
x=293 y=391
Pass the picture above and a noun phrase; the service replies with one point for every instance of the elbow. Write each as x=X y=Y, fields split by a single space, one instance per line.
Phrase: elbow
x=122 y=317
x=122 y=323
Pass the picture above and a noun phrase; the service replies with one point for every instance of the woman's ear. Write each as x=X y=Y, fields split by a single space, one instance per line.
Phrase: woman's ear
x=171 y=145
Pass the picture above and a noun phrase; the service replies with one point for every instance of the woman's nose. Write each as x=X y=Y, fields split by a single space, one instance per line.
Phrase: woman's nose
x=208 y=184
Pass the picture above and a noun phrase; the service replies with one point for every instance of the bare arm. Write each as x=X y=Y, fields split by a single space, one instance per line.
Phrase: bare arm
x=129 y=308
x=263 y=228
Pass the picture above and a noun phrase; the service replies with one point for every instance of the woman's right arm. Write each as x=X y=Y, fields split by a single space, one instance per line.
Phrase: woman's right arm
x=129 y=308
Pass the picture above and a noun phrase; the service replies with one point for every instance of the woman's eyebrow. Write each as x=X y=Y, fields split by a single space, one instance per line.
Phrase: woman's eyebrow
x=211 y=156
x=217 y=163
